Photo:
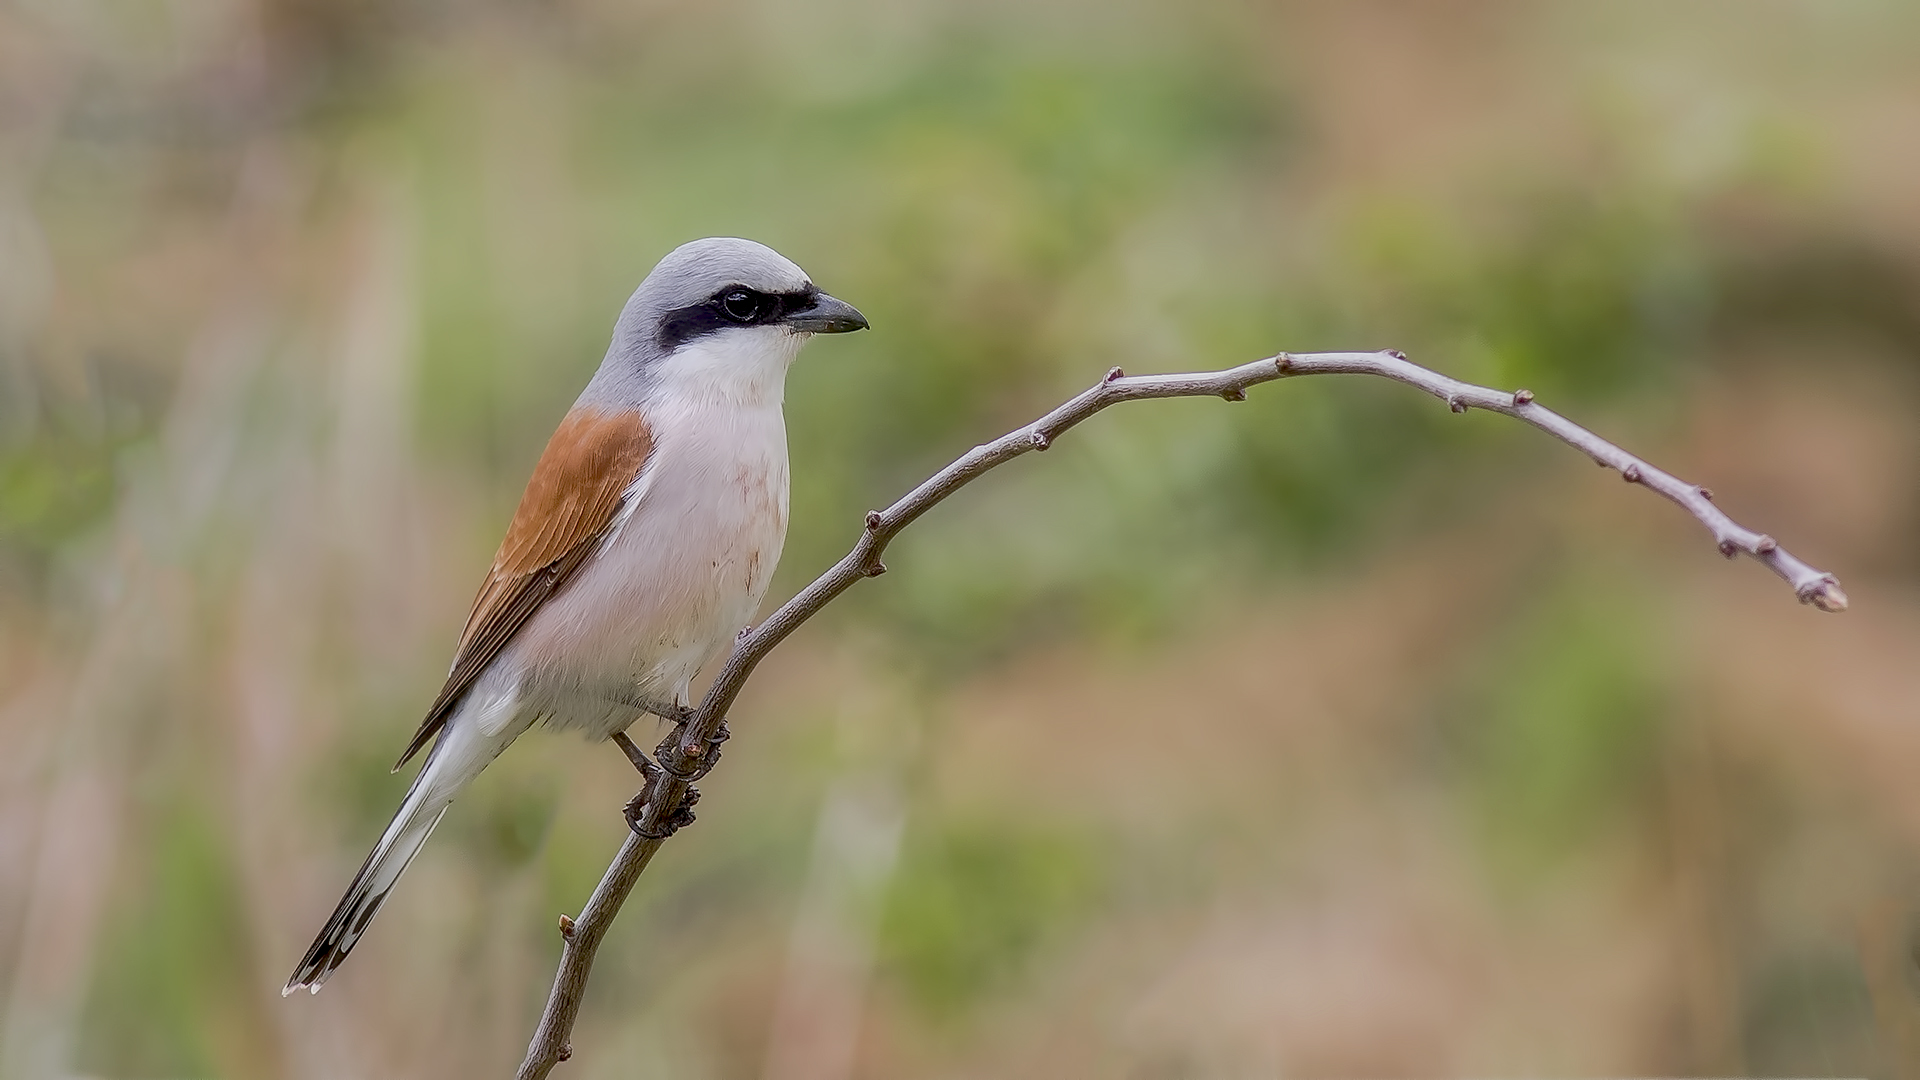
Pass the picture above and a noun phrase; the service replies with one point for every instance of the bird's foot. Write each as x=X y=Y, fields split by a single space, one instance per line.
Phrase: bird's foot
x=636 y=807
x=678 y=818
x=682 y=815
x=689 y=758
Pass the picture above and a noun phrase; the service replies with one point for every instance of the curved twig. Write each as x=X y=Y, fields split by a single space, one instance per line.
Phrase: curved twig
x=691 y=748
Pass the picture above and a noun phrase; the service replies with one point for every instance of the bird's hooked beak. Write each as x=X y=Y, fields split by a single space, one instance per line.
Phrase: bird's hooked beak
x=827 y=316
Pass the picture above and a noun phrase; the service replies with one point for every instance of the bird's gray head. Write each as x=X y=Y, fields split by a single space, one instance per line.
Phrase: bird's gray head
x=717 y=309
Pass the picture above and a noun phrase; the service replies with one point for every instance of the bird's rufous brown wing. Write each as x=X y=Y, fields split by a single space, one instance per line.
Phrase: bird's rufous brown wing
x=569 y=505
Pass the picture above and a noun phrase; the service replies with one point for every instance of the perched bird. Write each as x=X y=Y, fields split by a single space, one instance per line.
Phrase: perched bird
x=643 y=544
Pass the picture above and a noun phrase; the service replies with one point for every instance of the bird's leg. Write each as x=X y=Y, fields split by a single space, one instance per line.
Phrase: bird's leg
x=677 y=715
x=682 y=813
x=673 y=712
x=686 y=763
x=650 y=775
x=648 y=770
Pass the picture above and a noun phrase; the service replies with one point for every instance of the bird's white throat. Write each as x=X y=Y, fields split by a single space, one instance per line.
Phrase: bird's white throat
x=743 y=367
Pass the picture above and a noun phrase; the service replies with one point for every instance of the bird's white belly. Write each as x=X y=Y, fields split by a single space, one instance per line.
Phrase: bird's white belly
x=677 y=580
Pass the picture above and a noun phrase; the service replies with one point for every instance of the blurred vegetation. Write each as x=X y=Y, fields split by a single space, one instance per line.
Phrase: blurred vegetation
x=970 y=907
x=293 y=291
x=1562 y=732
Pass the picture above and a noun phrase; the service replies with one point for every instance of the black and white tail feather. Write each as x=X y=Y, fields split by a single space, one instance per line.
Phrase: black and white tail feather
x=426 y=801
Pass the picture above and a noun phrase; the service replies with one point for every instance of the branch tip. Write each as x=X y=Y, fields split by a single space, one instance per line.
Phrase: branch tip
x=1827 y=596
x=1522 y=397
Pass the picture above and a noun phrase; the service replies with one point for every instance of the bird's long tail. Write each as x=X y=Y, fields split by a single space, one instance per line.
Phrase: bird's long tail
x=426 y=800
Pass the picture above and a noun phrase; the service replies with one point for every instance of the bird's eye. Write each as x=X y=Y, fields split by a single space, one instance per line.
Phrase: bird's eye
x=741 y=305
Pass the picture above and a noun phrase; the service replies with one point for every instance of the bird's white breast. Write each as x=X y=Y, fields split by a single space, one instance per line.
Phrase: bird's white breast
x=689 y=559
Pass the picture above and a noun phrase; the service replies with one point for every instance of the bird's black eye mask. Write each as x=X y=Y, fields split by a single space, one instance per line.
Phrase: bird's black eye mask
x=735 y=305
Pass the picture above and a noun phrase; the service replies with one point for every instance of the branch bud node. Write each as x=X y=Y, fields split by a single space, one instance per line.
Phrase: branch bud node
x=873 y=519
x=1729 y=548
x=1114 y=373
x=1453 y=402
x=1397 y=354
x=1234 y=393
x=1765 y=544
x=1283 y=363
x=876 y=569
x=1522 y=397
x=565 y=1052
x=566 y=926
x=1039 y=440
x=1707 y=494
x=1631 y=474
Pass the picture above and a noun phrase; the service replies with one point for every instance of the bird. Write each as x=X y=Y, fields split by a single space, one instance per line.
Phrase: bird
x=643 y=544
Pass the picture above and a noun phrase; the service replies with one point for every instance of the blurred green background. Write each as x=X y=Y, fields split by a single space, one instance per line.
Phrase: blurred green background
x=1328 y=734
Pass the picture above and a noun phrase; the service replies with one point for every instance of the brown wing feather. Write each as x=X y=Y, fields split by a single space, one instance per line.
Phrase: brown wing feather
x=569 y=504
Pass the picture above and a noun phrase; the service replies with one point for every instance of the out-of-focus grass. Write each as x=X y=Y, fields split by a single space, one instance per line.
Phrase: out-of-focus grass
x=1479 y=763
x=1563 y=724
x=170 y=993
x=973 y=903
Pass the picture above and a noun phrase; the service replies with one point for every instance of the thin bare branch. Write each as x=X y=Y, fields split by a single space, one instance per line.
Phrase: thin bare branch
x=691 y=749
